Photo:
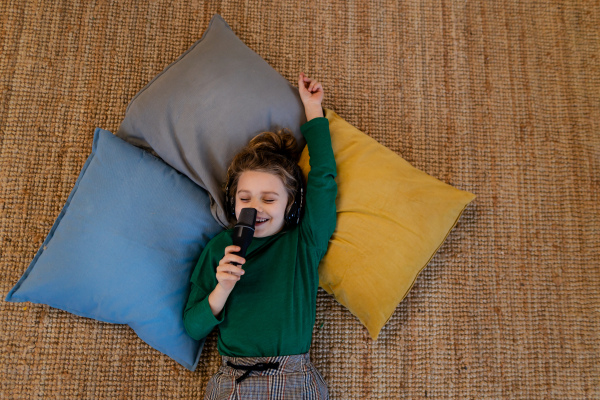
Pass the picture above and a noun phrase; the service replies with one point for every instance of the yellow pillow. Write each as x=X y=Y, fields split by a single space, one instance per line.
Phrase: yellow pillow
x=392 y=218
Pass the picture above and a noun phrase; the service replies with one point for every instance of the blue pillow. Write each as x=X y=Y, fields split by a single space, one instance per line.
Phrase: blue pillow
x=124 y=246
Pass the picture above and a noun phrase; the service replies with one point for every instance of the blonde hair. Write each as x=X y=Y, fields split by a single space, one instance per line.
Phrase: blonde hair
x=276 y=153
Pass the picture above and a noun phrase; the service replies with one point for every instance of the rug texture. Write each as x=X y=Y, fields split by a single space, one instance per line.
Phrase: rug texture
x=500 y=98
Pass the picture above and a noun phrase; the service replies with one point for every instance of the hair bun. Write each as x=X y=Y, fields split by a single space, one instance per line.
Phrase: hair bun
x=282 y=143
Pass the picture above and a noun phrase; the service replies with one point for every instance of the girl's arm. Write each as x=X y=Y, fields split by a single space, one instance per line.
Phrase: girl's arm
x=209 y=289
x=321 y=191
x=319 y=219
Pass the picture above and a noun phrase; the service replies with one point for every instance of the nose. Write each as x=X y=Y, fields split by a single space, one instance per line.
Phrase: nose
x=256 y=204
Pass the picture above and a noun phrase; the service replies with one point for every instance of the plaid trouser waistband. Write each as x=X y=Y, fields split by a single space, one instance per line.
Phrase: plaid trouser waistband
x=267 y=378
x=261 y=366
x=286 y=364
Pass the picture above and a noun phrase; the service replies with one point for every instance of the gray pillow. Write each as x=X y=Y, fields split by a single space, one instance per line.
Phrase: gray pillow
x=203 y=108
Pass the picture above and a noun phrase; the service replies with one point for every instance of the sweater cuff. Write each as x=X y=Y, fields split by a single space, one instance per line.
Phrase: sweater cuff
x=200 y=321
x=313 y=123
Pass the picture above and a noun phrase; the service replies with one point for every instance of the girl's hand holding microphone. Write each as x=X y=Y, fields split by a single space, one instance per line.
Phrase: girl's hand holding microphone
x=228 y=274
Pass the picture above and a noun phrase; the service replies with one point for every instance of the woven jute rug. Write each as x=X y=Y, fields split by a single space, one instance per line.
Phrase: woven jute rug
x=498 y=98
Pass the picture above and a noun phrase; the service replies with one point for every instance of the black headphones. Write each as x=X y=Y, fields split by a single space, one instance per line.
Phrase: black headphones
x=292 y=217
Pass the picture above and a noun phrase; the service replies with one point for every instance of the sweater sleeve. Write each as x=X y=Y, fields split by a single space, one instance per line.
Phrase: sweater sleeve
x=198 y=318
x=321 y=189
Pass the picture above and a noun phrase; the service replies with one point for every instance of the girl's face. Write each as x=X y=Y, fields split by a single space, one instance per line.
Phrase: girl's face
x=266 y=193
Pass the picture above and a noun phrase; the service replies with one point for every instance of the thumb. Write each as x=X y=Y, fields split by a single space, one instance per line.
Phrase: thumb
x=301 y=82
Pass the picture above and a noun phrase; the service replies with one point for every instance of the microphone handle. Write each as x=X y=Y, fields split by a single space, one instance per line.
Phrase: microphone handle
x=242 y=237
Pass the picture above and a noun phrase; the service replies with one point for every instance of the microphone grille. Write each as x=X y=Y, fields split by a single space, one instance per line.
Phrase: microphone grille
x=247 y=217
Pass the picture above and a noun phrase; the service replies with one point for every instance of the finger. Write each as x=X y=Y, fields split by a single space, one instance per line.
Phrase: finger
x=232 y=249
x=302 y=89
x=304 y=80
x=224 y=277
x=317 y=87
x=232 y=258
x=228 y=276
x=230 y=269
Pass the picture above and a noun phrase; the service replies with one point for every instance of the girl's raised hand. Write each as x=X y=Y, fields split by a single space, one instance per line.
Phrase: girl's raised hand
x=311 y=94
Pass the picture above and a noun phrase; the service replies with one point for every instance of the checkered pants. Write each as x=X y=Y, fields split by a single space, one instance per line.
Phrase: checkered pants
x=293 y=378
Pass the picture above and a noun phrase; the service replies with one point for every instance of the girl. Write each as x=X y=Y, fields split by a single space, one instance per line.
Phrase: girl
x=265 y=307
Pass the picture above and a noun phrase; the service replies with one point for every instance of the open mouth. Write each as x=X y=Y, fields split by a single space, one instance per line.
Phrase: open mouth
x=260 y=221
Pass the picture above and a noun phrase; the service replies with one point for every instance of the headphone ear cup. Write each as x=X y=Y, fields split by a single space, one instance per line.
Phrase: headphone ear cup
x=229 y=203
x=232 y=207
x=293 y=216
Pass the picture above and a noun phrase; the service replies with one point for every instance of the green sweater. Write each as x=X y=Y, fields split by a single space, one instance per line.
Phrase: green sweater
x=271 y=310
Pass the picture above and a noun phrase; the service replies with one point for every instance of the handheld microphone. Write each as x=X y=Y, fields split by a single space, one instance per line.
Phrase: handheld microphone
x=243 y=232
